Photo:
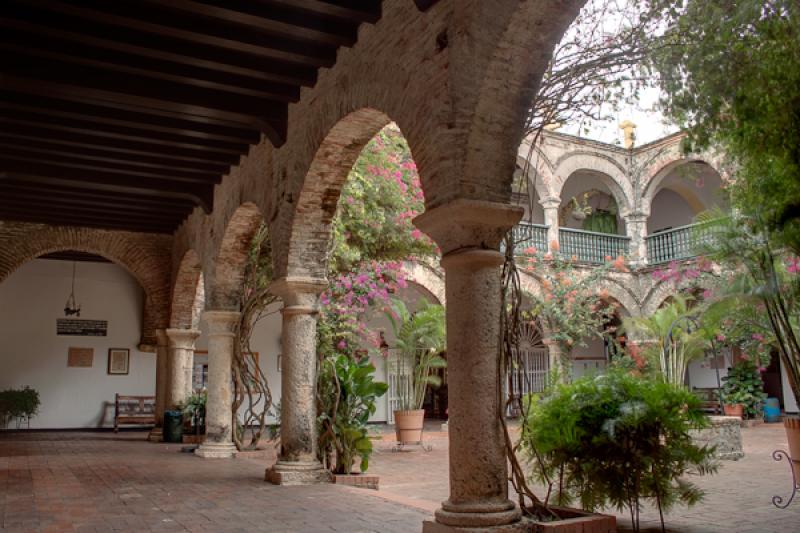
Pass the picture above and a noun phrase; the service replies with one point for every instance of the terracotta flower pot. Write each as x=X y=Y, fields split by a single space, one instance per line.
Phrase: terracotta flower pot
x=408 y=425
x=736 y=409
x=792 y=427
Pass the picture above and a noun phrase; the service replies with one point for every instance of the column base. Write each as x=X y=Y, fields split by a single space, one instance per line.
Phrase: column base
x=297 y=473
x=216 y=450
x=503 y=516
x=429 y=526
x=156 y=435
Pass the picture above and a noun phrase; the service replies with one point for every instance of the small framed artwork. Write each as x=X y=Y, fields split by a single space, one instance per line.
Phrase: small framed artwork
x=119 y=361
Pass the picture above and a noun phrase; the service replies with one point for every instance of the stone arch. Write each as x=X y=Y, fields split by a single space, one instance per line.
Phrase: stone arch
x=663 y=168
x=231 y=259
x=663 y=290
x=145 y=256
x=619 y=291
x=428 y=278
x=609 y=171
x=188 y=293
x=540 y=175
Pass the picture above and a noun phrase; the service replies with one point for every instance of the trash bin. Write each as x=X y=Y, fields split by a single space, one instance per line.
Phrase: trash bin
x=772 y=410
x=173 y=426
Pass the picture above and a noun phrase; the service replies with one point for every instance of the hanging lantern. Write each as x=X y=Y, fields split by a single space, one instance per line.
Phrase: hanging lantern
x=72 y=308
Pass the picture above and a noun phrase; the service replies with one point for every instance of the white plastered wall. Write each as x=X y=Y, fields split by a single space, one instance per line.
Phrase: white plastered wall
x=31 y=353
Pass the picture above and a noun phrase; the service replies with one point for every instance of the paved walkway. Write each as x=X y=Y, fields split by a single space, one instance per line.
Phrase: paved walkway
x=104 y=482
x=738 y=497
x=97 y=482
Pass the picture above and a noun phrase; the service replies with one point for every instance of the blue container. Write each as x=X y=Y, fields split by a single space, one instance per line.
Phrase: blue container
x=772 y=410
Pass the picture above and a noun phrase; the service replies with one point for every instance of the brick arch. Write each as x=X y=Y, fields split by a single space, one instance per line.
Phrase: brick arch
x=608 y=171
x=231 y=258
x=309 y=229
x=520 y=38
x=145 y=256
x=660 y=293
x=539 y=172
x=188 y=293
x=622 y=294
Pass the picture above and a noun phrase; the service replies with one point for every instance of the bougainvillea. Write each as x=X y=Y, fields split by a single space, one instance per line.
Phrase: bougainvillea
x=570 y=306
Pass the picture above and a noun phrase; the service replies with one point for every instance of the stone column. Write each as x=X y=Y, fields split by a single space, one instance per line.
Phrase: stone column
x=181 y=359
x=636 y=228
x=550 y=206
x=556 y=360
x=162 y=377
x=297 y=461
x=219 y=419
x=469 y=233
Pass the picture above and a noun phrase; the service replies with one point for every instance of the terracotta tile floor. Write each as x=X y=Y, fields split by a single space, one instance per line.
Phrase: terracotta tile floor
x=100 y=482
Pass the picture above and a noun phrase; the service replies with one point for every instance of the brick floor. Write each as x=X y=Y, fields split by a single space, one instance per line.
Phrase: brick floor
x=99 y=482
x=738 y=497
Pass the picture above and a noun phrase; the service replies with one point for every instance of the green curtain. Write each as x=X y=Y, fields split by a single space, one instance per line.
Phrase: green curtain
x=601 y=221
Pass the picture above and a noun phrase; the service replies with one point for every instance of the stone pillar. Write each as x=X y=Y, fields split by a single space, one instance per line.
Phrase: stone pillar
x=469 y=233
x=636 y=228
x=181 y=360
x=550 y=206
x=297 y=461
x=556 y=360
x=219 y=418
x=162 y=377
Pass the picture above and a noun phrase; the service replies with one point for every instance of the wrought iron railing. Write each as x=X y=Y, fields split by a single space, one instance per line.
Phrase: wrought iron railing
x=590 y=246
x=527 y=235
x=679 y=243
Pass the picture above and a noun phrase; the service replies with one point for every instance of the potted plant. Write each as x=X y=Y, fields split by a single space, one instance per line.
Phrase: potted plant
x=580 y=210
x=347 y=394
x=20 y=405
x=420 y=340
x=742 y=391
x=194 y=414
x=612 y=440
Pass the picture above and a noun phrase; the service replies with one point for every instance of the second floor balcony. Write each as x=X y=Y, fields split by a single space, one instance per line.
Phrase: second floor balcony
x=676 y=244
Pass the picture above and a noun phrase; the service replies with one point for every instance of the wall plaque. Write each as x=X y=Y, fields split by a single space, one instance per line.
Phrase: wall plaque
x=81 y=328
x=80 y=357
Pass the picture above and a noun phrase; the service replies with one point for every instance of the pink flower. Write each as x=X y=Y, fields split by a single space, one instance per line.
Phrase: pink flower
x=758 y=337
x=720 y=337
x=342 y=344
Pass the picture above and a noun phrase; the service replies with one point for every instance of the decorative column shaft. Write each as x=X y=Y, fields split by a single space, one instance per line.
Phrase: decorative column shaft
x=297 y=462
x=180 y=362
x=162 y=377
x=636 y=228
x=469 y=234
x=219 y=417
x=550 y=206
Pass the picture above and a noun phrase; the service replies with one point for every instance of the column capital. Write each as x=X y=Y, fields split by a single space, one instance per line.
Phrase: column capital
x=636 y=216
x=298 y=293
x=221 y=323
x=464 y=223
x=182 y=338
x=162 y=340
x=550 y=202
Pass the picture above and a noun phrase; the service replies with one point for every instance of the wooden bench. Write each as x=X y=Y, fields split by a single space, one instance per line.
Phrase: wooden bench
x=709 y=400
x=134 y=411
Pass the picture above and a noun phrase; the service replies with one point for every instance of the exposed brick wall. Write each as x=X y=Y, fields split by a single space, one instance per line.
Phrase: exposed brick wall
x=187 y=285
x=457 y=81
x=145 y=255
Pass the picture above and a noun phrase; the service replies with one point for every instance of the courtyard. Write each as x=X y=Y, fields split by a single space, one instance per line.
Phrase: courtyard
x=101 y=482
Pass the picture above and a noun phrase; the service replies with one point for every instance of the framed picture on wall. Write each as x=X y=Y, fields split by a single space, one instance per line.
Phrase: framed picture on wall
x=119 y=361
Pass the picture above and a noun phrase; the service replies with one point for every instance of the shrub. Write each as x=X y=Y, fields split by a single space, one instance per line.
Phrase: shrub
x=616 y=439
x=744 y=385
x=20 y=404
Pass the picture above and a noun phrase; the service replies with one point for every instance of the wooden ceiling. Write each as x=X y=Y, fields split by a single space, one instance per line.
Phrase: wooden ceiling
x=124 y=114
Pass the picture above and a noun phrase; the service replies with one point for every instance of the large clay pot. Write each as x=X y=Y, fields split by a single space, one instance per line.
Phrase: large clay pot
x=792 y=427
x=736 y=409
x=408 y=425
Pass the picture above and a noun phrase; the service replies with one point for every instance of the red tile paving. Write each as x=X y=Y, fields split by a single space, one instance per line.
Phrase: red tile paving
x=98 y=482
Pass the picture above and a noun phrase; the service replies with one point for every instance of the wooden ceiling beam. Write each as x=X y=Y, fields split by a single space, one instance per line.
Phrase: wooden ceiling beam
x=79 y=193
x=45 y=150
x=99 y=142
x=193 y=30
x=142 y=119
x=147 y=54
x=359 y=10
x=45 y=121
x=202 y=196
x=45 y=205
